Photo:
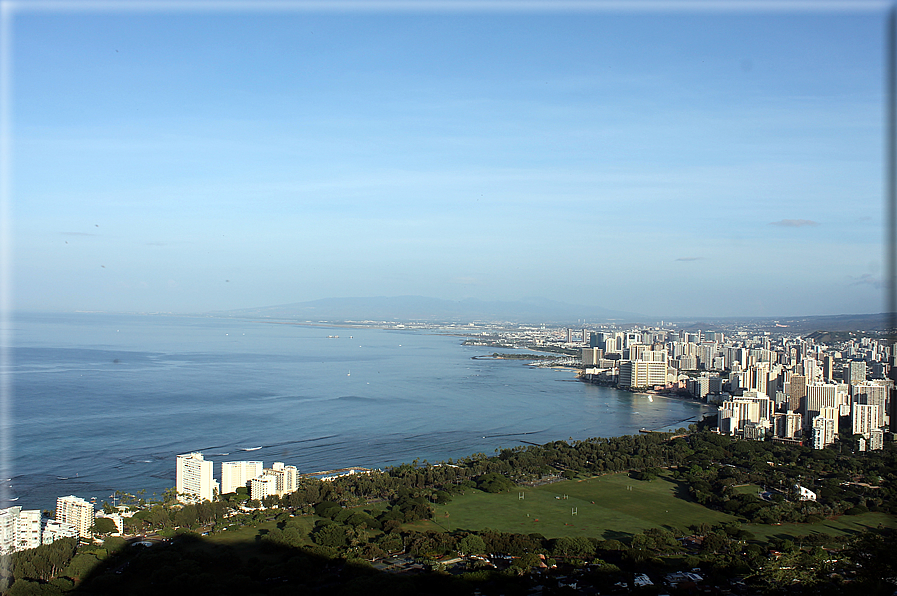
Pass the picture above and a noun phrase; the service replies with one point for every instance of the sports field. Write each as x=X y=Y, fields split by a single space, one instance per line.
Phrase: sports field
x=613 y=506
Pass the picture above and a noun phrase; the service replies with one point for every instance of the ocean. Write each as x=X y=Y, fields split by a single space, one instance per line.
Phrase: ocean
x=104 y=402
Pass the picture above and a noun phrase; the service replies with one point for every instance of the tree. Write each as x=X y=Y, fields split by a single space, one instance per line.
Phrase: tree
x=186 y=517
x=573 y=546
x=472 y=544
x=527 y=561
x=103 y=526
x=332 y=535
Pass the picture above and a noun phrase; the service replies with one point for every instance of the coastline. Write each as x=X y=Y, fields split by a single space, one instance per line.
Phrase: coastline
x=200 y=384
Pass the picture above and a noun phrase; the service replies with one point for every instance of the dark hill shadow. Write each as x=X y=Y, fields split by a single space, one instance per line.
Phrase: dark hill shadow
x=191 y=564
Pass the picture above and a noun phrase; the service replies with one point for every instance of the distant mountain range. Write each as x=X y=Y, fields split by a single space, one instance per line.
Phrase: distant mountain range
x=533 y=311
x=421 y=308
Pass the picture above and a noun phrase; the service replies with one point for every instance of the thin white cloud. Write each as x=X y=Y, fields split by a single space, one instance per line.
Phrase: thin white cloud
x=689 y=258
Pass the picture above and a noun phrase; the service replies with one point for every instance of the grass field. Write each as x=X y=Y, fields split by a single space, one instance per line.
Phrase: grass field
x=747 y=489
x=613 y=506
x=845 y=524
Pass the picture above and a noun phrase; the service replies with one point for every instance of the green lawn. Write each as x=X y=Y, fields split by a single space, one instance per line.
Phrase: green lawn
x=613 y=506
x=845 y=524
x=747 y=489
x=240 y=535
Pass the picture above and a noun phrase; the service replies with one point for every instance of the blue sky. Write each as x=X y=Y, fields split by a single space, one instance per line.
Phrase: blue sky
x=676 y=163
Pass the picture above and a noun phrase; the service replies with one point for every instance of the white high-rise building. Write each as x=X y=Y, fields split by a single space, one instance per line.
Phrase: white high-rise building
x=823 y=395
x=28 y=528
x=863 y=418
x=195 y=481
x=235 y=474
x=735 y=413
x=787 y=425
x=76 y=512
x=19 y=529
x=263 y=486
x=876 y=439
x=8 y=518
x=287 y=477
x=642 y=373
x=873 y=393
x=825 y=426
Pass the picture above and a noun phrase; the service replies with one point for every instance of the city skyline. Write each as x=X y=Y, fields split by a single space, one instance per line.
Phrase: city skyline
x=674 y=163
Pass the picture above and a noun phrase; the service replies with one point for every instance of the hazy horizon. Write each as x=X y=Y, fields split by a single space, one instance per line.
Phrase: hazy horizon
x=409 y=309
x=679 y=163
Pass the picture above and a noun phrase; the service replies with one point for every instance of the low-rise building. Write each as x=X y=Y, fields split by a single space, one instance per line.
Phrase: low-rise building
x=804 y=494
x=54 y=530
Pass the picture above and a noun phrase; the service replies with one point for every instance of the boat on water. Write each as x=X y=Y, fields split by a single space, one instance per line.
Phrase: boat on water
x=250 y=448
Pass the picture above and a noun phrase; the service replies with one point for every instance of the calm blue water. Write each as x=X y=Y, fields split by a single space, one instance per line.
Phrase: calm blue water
x=106 y=402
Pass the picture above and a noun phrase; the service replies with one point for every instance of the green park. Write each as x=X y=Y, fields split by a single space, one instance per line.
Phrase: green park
x=613 y=506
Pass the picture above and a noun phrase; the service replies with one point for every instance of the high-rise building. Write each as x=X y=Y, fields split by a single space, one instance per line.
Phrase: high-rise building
x=757 y=378
x=787 y=425
x=194 y=479
x=287 y=477
x=591 y=356
x=19 y=529
x=822 y=395
x=828 y=365
x=8 y=518
x=76 y=512
x=235 y=474
x=28 y=528
x=863 y=418
x=873 y=393
x=262 y=486
x=642 y=373
x=876 y=439
x=855 y=372
x=824 y=428
x=798 y=391
x=735 y=413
